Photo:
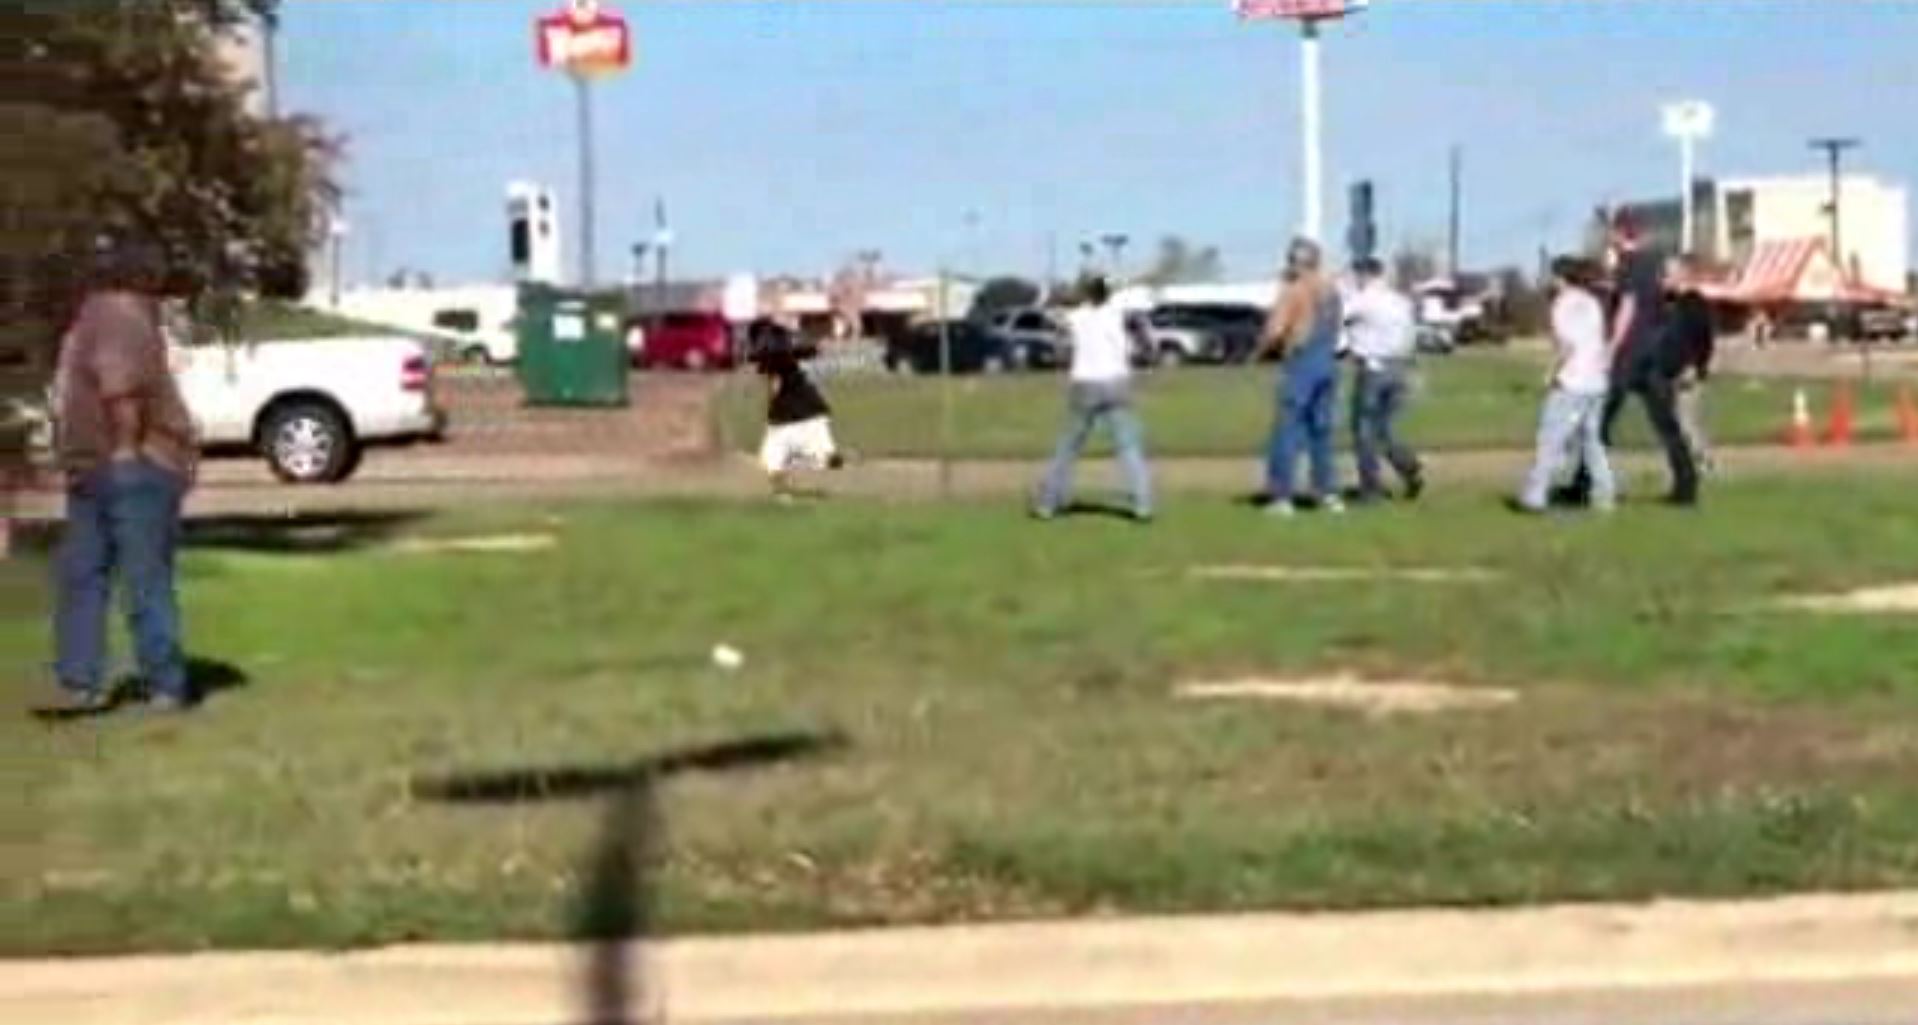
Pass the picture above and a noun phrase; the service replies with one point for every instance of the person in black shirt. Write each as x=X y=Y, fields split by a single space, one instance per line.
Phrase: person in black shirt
x=1642 y=361
x=1692 y=343
x=798 y=420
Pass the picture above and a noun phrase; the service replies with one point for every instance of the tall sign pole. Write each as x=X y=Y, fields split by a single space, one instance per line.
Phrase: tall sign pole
x=1688 y=122
x=1312 y=132
x=587 y=40
x=1311 y=15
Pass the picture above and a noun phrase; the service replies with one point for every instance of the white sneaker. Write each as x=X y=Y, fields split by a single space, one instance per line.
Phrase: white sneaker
x=1332 y=504
x=1282 y=509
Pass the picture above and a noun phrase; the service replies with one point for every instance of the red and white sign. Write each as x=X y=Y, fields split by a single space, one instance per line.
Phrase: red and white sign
x=587 y=38
x=1296 y=10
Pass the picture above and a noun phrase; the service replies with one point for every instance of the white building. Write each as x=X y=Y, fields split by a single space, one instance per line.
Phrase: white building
x=1874 y=226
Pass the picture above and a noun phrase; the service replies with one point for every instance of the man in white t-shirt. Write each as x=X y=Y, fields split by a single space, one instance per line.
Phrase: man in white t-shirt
x=1581 y=376
x=1100 y=391
x=1381 y=338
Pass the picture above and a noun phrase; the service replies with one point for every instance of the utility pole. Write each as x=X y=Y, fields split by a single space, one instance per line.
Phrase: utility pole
x=1115 y=244
x=1835 y=150
x=1452 y=230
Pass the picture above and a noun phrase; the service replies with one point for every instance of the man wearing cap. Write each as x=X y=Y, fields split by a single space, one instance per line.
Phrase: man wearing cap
x=1381 y=339
x=1304 y=329
x=126 y=443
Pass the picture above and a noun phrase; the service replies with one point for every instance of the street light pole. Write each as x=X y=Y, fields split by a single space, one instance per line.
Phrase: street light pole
x=1688 y=121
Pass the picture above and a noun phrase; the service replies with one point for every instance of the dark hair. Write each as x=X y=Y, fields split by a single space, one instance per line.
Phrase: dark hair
x=1575 y=269
x=1096 y=290
x=1369 y=266
x=128 y=264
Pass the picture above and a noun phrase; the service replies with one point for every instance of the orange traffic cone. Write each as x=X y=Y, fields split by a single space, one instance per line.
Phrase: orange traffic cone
x=1907 y=415
x=1799 y=433
x=1843 y=417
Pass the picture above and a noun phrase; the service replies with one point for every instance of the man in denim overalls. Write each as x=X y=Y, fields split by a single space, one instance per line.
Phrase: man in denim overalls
x=1304 y=329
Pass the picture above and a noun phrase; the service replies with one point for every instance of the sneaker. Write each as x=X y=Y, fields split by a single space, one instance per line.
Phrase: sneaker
x=1282 y=509
x=75 y=703
x=169 y=704
x=1523 y=508
x=1042 y=514
x=1332 y=505
x=1142 y=517
x=1415 y=486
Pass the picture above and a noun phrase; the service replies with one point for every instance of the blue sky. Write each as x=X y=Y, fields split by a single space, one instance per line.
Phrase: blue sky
x=787 y=135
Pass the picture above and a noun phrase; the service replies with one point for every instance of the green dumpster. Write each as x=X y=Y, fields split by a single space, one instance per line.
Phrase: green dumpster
x=572 y=349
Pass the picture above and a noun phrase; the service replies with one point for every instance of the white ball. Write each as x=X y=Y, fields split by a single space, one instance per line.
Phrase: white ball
x=727 y=657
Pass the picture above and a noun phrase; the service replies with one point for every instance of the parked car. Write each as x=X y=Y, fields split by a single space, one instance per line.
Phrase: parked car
x=1036 y=338
x=1448 y=316
x=1885 y=324
x=309 y=407
x=974 y=349
x=683 y=341
x=1206 y=332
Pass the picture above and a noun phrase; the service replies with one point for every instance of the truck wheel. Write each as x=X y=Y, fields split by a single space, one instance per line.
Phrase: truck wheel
x=1171 y=356
x=309 y=443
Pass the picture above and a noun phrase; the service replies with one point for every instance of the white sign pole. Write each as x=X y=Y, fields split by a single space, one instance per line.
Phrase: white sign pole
x=1687 y=234
x=1688 y=122
x=1312 y=169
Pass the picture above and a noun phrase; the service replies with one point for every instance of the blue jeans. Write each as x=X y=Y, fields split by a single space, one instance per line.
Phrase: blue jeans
x=1087 y=404
x=1571 y=421
x=1306 y=401
x=122 y=517
x=1377 y=401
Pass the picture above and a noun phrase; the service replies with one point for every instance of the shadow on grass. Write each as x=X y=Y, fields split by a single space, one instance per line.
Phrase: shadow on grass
x=320 y=534
x=1096 y=510
x=616 y=907
x=206 y=678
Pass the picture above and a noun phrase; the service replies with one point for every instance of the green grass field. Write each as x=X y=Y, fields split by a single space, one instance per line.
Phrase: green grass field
x=1475 y=400
x=1004 y=691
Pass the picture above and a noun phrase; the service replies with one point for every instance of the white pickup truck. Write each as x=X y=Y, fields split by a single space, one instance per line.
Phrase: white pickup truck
x=309 y=407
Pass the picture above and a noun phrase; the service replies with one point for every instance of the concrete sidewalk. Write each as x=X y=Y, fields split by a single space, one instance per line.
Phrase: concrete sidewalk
x=1346 y=968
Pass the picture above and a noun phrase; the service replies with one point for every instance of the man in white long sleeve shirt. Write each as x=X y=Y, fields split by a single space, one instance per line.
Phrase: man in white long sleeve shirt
x=1381 y=337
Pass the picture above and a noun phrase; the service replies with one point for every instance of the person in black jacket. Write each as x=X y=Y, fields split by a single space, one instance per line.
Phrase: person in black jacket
x=1643 y=362
x=798 y=420
x=1690 y=347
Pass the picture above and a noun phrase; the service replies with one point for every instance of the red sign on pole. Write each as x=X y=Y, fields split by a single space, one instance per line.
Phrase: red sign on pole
x=587 y=39
x=1296 y=10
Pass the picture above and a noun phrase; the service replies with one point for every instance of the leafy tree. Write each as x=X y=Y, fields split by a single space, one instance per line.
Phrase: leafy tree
x=1413 y=265
x=121 y=119
x=125 y=121
x=1178 y=263
x=1001 y=294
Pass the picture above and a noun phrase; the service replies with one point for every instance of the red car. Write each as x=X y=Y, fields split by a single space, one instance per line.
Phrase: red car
x=683 y=341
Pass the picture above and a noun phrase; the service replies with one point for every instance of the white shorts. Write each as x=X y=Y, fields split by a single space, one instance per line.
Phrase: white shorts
x=806 y=445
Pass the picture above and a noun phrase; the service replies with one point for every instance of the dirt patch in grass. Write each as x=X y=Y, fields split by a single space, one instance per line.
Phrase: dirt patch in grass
x=1892 y=598
x=1345 y=574
x=495 y=544
x=1371 y=697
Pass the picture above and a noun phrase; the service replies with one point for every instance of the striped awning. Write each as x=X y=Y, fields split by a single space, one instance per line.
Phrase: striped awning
x=1793 y=270
x=1775 y=269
